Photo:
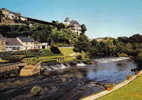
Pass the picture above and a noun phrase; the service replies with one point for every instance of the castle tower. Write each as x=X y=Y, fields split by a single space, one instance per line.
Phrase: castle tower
x=67 y=21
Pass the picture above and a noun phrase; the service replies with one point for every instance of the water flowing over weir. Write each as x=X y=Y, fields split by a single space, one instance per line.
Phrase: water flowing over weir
x=53 y=66
x=72 y=83
x=112 y=59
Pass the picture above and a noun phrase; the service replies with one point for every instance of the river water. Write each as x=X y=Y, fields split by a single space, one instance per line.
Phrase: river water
x=112 y=70
x=71 y=85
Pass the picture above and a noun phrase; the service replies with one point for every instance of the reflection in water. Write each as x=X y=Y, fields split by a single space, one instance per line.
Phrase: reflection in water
x=91 y=75
x=111 y=71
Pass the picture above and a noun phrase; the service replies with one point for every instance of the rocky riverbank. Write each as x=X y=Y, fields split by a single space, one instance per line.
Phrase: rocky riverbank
x=55 y=87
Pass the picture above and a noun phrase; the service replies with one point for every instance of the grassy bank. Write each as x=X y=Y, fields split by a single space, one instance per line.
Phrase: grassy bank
x=132 y=91
x=66 y=51
x=67 y=54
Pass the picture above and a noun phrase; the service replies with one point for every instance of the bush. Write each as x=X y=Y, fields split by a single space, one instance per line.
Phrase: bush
x=139 y=56
x=55 y=50
x=139 y=60
x=32 y=61
x=122 y=55
x=13 y=58
x=87 y=61
x=137 y=72
x=79 y=57
x=109 y=86
x=36 y=90
x=72 y=63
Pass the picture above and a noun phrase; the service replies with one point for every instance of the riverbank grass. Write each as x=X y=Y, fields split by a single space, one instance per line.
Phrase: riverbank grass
x=66 y=51
x=132 y=91
x=68 y=55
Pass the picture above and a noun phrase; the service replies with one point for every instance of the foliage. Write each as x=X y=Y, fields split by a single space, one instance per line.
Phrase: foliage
x=32 y=61
x=55 y=50
x=139 y=58
x=109 y=85
x=36 y=90
x=14 y=30
x=87 y=61
x=82 y=44
x=79 y=57
x=83 y=28
x=11 y=58
x=122 y=55
x=56 y=33
x=27 y=54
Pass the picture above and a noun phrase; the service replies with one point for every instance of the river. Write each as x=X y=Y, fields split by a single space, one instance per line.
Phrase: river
x=71 y=84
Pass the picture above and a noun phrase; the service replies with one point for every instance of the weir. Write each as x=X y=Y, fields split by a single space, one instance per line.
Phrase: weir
x=113 y=59
x=6 y=68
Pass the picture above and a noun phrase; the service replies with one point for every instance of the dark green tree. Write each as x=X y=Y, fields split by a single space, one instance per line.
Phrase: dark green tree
x=83 y=28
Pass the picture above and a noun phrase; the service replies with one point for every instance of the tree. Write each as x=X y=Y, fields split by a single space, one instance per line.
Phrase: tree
x=83 y=28
x=82 y=44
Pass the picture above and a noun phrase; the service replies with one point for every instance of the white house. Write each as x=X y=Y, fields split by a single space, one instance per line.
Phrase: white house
x=20 y=43
x=12 y=44
x=73 y=25
x=29 y=43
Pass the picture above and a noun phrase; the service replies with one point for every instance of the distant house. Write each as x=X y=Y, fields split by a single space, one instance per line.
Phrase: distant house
x=27 y=43
x=20 y=43
x=12 y=44
x=73 y=25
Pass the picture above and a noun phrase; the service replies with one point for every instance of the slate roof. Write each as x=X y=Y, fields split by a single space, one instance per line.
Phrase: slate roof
x=26 y=39
x=12 y=41
x=67 y=19
x=74 y=22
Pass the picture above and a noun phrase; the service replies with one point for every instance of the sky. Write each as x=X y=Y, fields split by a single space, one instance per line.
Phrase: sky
x=103 y=18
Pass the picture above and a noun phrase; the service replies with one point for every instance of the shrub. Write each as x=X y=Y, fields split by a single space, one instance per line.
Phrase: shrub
x=87 y=61
x=72 y=63
x=32 y=61
x=79 y=57
x=109 y=86
x=12 y=75
x=55 y=50
x=36 y=90
x=13 y=58
x=139 y=57
x=137 y=72
x=77 y=61
x=122 y=55
x=26 y=54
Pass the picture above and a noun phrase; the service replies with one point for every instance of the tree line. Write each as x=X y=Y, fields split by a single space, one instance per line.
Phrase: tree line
x=121 y=46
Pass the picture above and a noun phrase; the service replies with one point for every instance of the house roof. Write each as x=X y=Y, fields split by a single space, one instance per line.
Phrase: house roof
x=74 y=23
x=12 y=41
x=26 y=39
x=67 y=19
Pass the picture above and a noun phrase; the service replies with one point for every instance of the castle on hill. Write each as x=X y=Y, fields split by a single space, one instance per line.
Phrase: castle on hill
x=8 y=17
